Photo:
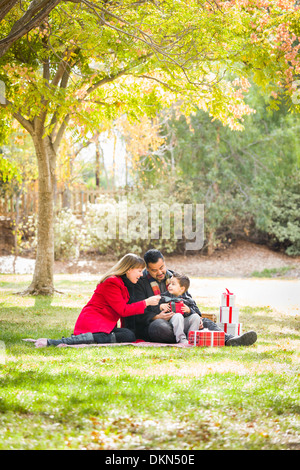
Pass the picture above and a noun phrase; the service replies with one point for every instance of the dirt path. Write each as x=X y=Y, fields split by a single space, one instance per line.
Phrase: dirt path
x=239 y=260
x=231 y=268
x=282 y=295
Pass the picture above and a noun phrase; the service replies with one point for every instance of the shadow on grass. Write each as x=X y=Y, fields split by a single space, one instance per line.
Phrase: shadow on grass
x=72 y=392
x=69 y=394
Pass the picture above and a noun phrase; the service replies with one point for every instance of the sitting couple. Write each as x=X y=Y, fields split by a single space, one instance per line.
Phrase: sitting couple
x=140 y=292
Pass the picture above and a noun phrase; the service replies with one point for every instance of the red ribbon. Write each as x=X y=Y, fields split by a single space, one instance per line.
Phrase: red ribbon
x=227 y=297
x=230 y=315
x=238 y=331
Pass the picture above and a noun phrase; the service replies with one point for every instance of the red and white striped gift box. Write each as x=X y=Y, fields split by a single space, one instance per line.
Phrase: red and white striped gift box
x=229 y=314
x=206 y=337
x=234 y=329
x=227 y=299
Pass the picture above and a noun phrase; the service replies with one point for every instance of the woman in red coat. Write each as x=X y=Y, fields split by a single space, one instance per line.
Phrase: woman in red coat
x=97 y=322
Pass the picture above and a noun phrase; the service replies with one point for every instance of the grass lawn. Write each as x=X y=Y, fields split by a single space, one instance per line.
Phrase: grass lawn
x=142 y=398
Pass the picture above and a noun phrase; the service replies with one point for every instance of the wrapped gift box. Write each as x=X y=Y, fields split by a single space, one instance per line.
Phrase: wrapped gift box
x=206 y=337
x=229 y=314
x=234 y=329
x=177 y=307
x=227 y=299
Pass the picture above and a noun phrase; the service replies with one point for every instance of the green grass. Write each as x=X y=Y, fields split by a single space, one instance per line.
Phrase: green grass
x=142 y=398
x=274 y=272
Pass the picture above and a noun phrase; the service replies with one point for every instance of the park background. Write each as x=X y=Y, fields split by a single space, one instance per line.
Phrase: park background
x=152 y=102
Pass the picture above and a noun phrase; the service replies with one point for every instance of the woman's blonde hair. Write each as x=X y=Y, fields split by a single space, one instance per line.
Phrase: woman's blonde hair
x=128 y=261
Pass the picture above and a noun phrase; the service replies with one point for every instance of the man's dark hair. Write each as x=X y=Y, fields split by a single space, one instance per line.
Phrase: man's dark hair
x=183 y=280
x=152 y=256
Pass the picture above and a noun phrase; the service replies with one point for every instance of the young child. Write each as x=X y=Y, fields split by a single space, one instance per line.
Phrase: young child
x=190 y=319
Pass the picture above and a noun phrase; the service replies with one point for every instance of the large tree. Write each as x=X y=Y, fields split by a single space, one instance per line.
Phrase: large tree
x=89 y=62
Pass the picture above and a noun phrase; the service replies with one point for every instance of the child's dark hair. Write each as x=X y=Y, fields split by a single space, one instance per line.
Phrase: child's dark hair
x=183 y=280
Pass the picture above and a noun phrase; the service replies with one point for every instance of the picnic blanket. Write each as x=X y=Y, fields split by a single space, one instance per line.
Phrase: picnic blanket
x=136 y=343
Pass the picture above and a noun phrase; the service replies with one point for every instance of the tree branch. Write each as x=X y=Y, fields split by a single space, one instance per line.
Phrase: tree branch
x=23 y=121
x=90 y=90
x=63 y=85
x=61 y=132
x=38 y=10
x=159 y=81
x=118 y=74
x=5 y=7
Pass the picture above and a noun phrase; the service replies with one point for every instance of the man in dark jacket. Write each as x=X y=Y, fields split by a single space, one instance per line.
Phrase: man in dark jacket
x=153 y=326
x=155 y=279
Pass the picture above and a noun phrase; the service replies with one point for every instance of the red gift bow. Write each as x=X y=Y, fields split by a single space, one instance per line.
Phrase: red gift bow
x=179 y=304
x=227 y=296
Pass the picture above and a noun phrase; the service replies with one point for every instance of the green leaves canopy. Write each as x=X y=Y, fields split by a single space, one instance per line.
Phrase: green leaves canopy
x=92 y=61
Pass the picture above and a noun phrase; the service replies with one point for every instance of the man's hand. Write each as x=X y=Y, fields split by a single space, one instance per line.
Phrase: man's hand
x=163 y=316
x=165 y=307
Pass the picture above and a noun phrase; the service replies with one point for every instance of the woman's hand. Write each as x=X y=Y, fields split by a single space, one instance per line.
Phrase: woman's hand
x=154 y=300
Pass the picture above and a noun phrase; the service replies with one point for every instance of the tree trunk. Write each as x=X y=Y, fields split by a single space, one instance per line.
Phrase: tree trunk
x=42 y=283
x=97 y=167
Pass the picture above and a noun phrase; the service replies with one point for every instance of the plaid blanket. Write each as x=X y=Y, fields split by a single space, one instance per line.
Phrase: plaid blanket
x=144 y=344
x=138 y=343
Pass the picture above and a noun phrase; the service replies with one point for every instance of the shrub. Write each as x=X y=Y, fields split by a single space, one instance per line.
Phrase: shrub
x=283 y=227
x=68 y=235
x=124 y=225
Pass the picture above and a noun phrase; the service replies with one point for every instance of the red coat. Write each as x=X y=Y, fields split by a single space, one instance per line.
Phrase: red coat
x=107 y=305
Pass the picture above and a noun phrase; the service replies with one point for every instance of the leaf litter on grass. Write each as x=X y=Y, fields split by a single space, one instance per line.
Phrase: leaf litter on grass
x=138 y=398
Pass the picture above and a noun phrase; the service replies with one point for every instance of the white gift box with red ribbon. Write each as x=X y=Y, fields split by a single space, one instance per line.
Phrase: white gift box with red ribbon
x=227 y=299
x=229 y=314
x=234 y=329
